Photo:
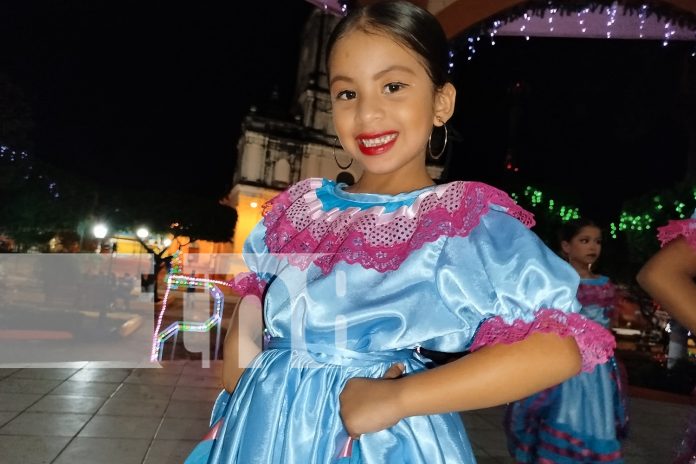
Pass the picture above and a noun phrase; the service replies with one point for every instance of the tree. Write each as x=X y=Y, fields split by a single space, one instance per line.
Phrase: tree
x=40 y=200
x=185 y=217
x=210 y=221
x=162 y=258
x=640 y=217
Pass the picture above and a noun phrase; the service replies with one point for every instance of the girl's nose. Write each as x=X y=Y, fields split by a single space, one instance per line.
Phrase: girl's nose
x=369 y=109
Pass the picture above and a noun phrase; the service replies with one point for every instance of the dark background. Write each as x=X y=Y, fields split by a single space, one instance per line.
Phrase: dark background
x=147 y=93
x=150 y=94
x=595 y=121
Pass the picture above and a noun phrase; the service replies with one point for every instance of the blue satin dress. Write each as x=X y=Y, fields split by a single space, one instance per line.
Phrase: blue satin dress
x=582 y=419
x=329 y=324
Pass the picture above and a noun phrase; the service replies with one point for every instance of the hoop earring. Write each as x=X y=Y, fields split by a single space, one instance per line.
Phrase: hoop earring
x=444 y=145
x=333 y=151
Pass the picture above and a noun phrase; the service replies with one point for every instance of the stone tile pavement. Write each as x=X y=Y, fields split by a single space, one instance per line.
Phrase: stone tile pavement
x=93 y=414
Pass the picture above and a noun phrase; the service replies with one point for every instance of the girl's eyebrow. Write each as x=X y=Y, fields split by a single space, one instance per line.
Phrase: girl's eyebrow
x=395 y=67
x=340 y=78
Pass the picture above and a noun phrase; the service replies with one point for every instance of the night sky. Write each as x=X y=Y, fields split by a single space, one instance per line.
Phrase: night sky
x=148 y=93
x=151 y=94
x=595 y=121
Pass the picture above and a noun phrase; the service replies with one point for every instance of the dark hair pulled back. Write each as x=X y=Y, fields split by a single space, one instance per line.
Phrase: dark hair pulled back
x=572 y=228
x=408 y=24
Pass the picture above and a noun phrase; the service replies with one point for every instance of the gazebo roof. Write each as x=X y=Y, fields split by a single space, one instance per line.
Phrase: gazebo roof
x=457 y=16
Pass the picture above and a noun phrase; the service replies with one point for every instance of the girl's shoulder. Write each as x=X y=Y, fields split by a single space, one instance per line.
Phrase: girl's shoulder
x=378 y=231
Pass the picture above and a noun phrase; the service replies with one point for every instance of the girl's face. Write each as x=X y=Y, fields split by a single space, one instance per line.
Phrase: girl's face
x=585 y=247
x=384 y=103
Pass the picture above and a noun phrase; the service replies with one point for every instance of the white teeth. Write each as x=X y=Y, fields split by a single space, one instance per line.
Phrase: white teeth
x=378 y=141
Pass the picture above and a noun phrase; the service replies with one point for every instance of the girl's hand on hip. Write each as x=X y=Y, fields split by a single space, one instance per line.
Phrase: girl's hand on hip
x=371 y=405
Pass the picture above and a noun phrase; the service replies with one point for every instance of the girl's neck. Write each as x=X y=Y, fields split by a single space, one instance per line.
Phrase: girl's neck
x=390 y=184
x=584 y=271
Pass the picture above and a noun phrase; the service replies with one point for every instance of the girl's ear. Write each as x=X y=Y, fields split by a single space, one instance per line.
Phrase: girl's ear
x=444 y=104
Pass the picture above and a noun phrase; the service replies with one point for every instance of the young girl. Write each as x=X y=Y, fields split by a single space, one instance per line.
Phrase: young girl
x=579 y=420
x=355 y=280
x=669 y=278
x=669 y=275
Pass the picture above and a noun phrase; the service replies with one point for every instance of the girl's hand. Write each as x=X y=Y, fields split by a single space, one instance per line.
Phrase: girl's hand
x=371 y=405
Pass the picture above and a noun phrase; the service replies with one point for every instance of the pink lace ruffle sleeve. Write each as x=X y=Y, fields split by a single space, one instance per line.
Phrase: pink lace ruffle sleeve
x=680 y=228
x=248 y=283
x=596 y=344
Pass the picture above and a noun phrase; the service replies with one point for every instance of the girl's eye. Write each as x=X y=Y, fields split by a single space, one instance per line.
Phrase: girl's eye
x=345 y=95
x=393 y=87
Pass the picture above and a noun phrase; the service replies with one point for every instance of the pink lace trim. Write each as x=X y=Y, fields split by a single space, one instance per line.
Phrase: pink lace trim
x=297 y=225
x=600 y=295
x=682 y=228
x=248 y=283
x=595 y=342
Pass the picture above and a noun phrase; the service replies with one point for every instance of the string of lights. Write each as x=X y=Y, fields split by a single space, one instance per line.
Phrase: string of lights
x=175 y=281
x=628 y=221
x=550 y=19
x=535 y=198
x=666 y=208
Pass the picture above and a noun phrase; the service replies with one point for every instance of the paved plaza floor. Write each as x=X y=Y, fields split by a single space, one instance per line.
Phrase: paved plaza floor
x=87 y=413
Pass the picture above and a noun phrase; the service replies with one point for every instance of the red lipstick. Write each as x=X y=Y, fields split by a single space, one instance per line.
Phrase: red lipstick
x=376 y=143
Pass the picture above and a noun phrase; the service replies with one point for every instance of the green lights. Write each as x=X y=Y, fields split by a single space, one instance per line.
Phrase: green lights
x=631 y=222
x=613 y=230
x=658 y=209
x=536 y=199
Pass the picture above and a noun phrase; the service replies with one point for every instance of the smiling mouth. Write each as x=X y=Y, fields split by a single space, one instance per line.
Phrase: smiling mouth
x=377 y=144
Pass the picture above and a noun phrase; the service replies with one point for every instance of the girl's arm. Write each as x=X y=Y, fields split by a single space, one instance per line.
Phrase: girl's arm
x=490 y=376
x=668 y=278
x=243 y=340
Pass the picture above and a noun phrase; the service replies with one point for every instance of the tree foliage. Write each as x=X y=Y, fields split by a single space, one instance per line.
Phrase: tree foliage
x=161 y=212
x=641 y=217
x=38 y=200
